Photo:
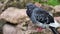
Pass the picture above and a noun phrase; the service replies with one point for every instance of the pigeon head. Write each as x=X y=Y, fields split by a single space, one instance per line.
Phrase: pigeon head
x=30 y=6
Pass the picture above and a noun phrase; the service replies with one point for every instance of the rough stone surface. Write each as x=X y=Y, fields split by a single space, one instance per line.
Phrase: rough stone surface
x=21 y=29
x=1 y=4
x=57 y=18
x=13 y=15
x=57 y=8
x=8 y=29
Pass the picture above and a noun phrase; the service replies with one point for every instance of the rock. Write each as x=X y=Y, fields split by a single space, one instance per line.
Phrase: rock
x=47 y=7
x=57 y=18
x=20 y=29
x=38 y=4
x=57 y=8
x=14 y=15
x=8 y=29
x=25 y=29
x=44 y=6
x=0 y=5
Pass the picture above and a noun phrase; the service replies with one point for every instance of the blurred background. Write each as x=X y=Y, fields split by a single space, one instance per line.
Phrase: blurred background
x=13 y=12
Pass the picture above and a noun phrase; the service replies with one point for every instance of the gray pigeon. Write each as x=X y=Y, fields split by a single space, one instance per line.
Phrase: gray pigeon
x=42 y=18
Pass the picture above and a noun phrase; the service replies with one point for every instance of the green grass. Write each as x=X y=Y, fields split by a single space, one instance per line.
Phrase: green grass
x=49 y=2
x=53 y=2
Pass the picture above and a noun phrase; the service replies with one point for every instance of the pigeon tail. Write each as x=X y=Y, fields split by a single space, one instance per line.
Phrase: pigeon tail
x=56 y=24
x=54 y=30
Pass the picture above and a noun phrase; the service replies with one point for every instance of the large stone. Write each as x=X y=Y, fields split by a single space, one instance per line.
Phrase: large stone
x=1 y=5
x=9 y=29
x=44 y=6
x=14 y=15
x=57 y=18
x=57 y=8
x=21 y=29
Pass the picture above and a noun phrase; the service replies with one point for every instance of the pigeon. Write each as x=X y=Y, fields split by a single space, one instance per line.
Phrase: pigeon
x=29 y=11
x=42 y=18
